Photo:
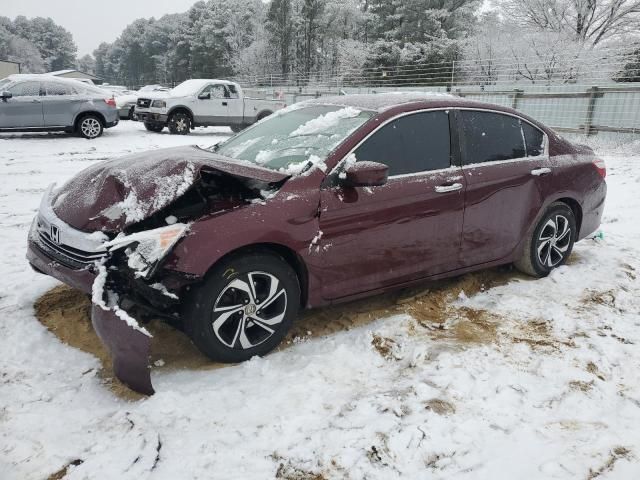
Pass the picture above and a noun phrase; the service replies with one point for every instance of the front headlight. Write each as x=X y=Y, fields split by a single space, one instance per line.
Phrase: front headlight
x=146 y=249
x=159 y=104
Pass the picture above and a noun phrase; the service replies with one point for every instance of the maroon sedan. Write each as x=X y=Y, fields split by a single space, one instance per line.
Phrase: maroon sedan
x=326 y=201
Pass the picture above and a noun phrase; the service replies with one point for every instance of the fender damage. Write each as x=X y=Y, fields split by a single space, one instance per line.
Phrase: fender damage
x=143 y=205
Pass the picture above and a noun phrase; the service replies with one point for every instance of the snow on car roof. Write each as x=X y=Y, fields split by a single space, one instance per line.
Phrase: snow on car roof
x=384 y=101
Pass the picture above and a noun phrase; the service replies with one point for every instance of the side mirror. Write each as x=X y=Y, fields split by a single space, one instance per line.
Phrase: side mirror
x=366 y=174
x=204 y=96
x=6 y=95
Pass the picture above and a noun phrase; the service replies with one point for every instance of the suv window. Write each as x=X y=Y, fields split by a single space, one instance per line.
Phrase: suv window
x=58 y=89
x=25 y=89
x=488 y=136
x=414 y=143
x=534 y=140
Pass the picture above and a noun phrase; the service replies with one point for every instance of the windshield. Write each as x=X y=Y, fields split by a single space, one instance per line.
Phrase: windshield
x=294 y=139
x=4 y=83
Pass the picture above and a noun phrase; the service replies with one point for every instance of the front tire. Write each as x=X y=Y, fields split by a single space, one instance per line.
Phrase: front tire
x=90 y=127
x=179 y=124
x=153 y=127
x=244 y=308
x=238 y=128
x=551 y=243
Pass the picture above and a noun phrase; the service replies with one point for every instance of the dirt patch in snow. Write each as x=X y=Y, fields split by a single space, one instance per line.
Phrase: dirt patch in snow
x=60 y=474
x=66 y=312
x=615 y=454
x=441 y=407
x=429 y=304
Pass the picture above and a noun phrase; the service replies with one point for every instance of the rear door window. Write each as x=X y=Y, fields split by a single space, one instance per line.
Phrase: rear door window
x=25 y=89
x=490 y=137
x=413 y=143
x=54 y=89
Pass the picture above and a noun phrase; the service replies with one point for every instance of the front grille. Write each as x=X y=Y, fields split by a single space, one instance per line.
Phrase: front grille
x=66 y=255
x=144 y=102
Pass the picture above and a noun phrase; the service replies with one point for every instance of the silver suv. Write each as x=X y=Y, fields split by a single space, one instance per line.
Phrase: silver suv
x=47 y=103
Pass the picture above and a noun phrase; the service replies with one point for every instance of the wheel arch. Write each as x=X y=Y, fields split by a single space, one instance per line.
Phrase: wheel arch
x=262 y=114
x=576 y=208
x=290 y=256
x=81 y=115
x=180 y=109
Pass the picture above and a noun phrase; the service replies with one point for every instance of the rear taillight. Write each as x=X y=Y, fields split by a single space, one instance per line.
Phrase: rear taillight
x=599 y=165
x=110 y=101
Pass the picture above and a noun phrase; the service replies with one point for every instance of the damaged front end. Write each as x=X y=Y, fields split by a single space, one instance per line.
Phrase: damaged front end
x=110 y=230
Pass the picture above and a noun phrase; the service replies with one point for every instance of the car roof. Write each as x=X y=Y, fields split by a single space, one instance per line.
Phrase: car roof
x=381 y=102
x=384 y=101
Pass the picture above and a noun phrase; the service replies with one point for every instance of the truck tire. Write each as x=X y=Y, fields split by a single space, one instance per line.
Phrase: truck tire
x=179 y=123
x=153 y=127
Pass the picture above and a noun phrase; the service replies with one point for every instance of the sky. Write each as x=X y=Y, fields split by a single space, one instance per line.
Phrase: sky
x=91 y=23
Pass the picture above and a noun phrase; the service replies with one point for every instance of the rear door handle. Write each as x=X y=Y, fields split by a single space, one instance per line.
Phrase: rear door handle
x=453 y=187
x=224 y=104
x=538 y=172
x=35 y=101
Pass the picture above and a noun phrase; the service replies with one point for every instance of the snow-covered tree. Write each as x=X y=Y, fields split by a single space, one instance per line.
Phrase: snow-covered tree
x=588 y=21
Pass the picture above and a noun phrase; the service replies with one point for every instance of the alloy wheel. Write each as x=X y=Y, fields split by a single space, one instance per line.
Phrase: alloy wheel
x=90 y=127
x=248 y=310
x=554 y=241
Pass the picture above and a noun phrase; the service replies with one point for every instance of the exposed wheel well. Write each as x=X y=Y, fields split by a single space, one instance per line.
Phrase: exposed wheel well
x=181 y=110
x=576 y=209
x=262 y=114
x=291 y=257
x=84 y=114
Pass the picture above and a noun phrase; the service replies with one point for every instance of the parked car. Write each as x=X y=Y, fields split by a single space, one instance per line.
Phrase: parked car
x=126 y=102
x=324 y=202
x=47 y=103
x=198 y=103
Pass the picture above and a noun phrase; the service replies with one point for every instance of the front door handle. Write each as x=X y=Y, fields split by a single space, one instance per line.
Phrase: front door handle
x=224 y=104
x=35 y=101
x=453 y=187
x=538 y=172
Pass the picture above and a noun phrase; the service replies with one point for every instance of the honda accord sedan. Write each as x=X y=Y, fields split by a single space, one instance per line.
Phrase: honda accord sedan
x=326 y=201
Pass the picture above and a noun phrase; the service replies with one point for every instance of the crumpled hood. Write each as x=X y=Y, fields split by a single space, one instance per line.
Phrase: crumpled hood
x=113 y=195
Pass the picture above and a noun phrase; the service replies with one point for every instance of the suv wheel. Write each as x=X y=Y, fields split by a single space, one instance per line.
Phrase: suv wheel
x=238 y=128
x=90 y=127
x=551 y=242
x=244 y=308
x=179 y=123
x=153 y=127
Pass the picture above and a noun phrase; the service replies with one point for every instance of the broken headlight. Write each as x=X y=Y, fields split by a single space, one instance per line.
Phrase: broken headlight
x=145 y=249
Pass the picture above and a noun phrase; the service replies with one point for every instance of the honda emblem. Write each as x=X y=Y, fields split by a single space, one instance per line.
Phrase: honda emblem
x=55 y=234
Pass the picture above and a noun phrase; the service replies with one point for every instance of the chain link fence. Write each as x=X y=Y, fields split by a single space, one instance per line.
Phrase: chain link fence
x=593 y=92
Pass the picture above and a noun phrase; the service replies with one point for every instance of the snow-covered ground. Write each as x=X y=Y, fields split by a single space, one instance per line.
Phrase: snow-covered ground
x=517 y=378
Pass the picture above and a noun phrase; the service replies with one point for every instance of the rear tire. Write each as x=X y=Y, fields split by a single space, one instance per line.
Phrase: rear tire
x=244 y=308
x=90 y=127
x=551 y=243
x=179 y=124
x=153 y=127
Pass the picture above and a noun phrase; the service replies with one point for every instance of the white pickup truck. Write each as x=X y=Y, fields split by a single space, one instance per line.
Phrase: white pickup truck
x=203 y=103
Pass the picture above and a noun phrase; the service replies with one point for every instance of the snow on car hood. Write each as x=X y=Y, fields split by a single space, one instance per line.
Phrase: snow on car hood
x=113 y=195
